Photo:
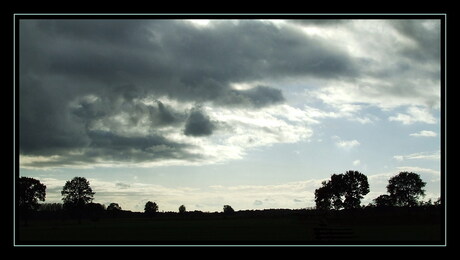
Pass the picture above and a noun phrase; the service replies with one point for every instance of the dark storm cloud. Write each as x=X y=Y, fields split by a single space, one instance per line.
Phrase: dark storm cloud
x=426 y=35
x=257 y=97
x=320 y=22
x=78 y=77
x=176 y=58
x=198 y=124
x=106 y=146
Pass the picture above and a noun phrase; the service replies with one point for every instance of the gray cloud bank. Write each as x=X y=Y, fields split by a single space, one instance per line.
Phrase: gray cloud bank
x=95 y=90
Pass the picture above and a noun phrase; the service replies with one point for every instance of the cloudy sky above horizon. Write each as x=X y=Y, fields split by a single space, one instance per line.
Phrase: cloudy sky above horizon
x=250 y=113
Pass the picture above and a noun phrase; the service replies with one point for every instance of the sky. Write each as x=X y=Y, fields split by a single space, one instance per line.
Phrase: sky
x=249 y=113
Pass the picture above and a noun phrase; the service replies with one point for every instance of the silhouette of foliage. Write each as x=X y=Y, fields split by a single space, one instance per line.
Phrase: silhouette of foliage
x=342 y=191
x=384 y=201
x=113 y=207
x=323 y=196
x=355 y=186
x=228 y=209
x=182 y=209
x=30 y=192
x=77 y=193
x=150 y=208
x=406 y=188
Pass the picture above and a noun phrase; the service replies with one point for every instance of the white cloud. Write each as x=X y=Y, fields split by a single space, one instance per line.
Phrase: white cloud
x=347 y=144
x=418 y=170
x=414 y=115
x=424 y=133
x=237 y=131
x=347 y=111
x=356 y=162
x=436 y=155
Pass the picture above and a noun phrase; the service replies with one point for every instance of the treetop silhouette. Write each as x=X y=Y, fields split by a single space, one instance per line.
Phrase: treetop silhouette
x=404 y=189
x=77 y=192
x=342 y=191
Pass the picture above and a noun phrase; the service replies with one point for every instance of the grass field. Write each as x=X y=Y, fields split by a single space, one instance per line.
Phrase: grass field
x=289 y=229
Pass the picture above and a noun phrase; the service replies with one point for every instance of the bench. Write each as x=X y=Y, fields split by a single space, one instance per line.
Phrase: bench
x=333 y=233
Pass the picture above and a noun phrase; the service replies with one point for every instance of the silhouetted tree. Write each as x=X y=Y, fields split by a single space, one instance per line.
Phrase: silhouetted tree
x=150 y=208
x=30 y=192
x=182 y=209
x=113 y=209
x=77 y=193
x=323 y=196
x=384 y=201
x=406 y=188
x=355 y=186
x=228 y=209
x=352 y=186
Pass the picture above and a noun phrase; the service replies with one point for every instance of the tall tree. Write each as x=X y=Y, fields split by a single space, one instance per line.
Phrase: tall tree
x=406 y=188
x=30 y=192
x=355 y=187
x=77 y=192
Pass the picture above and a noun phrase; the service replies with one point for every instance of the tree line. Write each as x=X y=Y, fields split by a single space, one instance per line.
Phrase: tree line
x=345 y=191
x=341 y=191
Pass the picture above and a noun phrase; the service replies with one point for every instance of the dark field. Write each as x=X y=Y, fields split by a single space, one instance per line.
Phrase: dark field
x=252 y=228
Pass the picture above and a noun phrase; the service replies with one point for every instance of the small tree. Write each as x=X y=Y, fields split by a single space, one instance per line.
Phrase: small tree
x=150 y=208
x=228 y=210
x=113 y=209
x=30 y=192
x=406 y=188
x=384 y=201
x=182 y=209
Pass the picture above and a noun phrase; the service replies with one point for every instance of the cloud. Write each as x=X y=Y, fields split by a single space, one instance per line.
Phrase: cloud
x=356 y=162
x=436 y=155
x=113 y=92
x=417 y=169
x=410 y=77
x=348 y=144
x=95 y=91
x=122 y=185
x=424 y=35
x=345 y=144
x=414 y=115
x=198 y=124
x=424 y=133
